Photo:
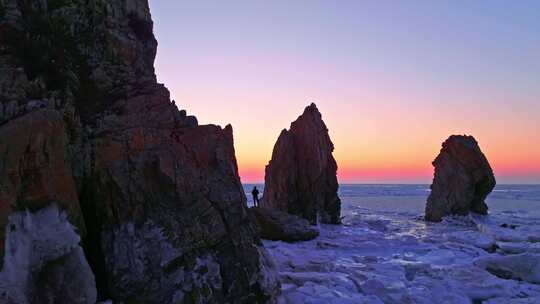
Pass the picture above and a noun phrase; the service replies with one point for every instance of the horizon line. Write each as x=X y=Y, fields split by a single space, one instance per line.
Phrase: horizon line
x=403 y=183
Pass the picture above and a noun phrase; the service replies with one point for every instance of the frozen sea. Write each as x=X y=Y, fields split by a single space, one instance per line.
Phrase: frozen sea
x=385 y=253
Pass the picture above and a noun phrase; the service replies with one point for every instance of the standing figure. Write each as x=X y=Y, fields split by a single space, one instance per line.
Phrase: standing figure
x=255 y=193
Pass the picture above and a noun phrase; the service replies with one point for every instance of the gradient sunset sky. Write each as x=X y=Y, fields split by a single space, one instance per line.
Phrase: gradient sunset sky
x=393 y=79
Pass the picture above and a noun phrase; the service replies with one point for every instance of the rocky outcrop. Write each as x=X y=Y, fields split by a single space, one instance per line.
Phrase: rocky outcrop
x=35 y=167
x=86 y=129
x=44 y=262
x=463 y=179
x=35 y=178
x=301 y=177
x=276 y=225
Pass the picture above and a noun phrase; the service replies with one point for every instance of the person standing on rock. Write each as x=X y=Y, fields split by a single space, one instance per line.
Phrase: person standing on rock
x=255 y=193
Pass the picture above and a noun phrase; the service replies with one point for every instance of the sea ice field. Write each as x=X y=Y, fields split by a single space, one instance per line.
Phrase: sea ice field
x=385 y=253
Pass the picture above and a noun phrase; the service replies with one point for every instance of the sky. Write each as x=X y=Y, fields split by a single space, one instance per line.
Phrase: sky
x=392 y=79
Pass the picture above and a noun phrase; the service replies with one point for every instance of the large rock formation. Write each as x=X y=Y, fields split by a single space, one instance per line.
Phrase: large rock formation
x=463 y=179
x=301 y=177
x=91 y=145
x=277 y=225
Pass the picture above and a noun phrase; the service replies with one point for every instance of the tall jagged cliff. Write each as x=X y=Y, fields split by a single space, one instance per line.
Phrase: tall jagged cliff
x=301 y=176
x=91 y=146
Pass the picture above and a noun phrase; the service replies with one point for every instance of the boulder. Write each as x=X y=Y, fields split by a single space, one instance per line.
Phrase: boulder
x=301 y=176
x=463 y=179
x=153 y=198
x=276 y=225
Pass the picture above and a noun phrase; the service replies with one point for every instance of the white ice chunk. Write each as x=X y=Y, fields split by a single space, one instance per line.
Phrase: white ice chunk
x=524 y=267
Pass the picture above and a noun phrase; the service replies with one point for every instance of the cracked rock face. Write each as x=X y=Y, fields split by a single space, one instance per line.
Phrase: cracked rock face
x=463 y=179
x=85 y=126
x=35 y=168
x=301 y=177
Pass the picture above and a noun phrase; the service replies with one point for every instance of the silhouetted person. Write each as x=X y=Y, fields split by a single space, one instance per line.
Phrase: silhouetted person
x=255 y=193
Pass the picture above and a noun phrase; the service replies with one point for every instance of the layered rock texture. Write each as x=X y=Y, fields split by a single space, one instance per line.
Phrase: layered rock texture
x=301 y=177
x=463 y=179
x=91 y=146
x=277 y=225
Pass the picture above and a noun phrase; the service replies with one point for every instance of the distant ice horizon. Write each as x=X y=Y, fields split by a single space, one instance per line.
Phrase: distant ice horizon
x=502 y=194
x=402 y=183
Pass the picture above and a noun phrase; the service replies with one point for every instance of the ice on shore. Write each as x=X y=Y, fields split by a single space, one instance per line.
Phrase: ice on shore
x=524 y=267
x=385 y=256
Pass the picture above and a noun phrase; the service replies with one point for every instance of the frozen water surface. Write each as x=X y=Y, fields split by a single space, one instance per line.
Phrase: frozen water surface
x=385 y=253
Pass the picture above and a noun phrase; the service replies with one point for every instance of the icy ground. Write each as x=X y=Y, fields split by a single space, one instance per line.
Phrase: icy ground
x=386 y=253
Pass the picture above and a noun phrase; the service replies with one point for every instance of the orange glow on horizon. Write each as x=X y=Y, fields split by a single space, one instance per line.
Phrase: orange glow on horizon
x=389 y=90
x=376 y=167
x=369 y=150
x=399 y=175
x=389 y=142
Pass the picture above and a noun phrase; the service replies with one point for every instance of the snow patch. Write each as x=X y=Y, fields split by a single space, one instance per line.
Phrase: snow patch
x=33 y=240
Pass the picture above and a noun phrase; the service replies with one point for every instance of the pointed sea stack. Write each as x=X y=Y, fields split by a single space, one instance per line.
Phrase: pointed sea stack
x=94 y=155
x=463 y=179
x=301 y=177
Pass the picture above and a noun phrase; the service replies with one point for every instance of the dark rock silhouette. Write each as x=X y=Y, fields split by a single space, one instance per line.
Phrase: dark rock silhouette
x=301 y=177
x=92 y=145
x=463 y=179
x=276 y=225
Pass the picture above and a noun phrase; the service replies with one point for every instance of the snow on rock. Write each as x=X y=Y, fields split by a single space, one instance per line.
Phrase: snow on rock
x=524 y=267
x=43 y=259
x=518 y=247
x=473 y=238
x=534 y=300
x=268 y=277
